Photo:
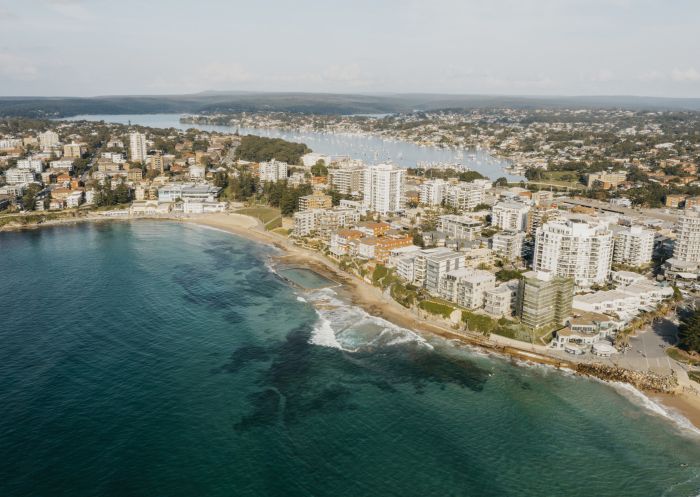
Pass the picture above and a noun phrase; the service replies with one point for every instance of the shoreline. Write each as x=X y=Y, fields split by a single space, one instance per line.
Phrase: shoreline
x=372 y=300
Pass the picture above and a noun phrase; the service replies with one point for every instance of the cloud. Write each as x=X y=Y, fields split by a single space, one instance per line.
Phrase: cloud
x=652 y=76
x=220 y=73
x=7 y=15
x=71 y=10
x=348 y=74
x=685 y=75
x=18 y=68
x=603 y=76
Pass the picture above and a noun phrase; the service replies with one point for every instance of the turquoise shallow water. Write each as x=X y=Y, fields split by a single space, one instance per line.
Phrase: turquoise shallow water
x=159 y=359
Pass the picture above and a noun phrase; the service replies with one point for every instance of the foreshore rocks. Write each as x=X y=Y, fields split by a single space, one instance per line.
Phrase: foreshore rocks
x=642 y=380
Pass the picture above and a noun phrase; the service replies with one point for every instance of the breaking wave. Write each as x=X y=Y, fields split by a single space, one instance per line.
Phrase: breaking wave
x=656 y=408
x=352 y=329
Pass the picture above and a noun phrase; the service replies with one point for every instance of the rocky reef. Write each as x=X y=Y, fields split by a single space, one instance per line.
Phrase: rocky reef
x=642 y=380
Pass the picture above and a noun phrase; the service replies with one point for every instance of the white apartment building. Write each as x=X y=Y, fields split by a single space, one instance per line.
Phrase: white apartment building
x=459 y=227
x=323 y=221
x=466 y=287
x=31 y=164
x=16 y=176
x=138 y=149
x=634 y=246
x=48 y=139
x=430 y=265
x=10 y=143
x=508 y=244
x=465 y=196
x=395 y=255
x=686 y=250
x=74 y=199
x=66 y=165
x=273 y=171
x=574 y=249
x=510 y=215
x=500 y=300
x=384 y=189
x=432 y=191
x=347 y=180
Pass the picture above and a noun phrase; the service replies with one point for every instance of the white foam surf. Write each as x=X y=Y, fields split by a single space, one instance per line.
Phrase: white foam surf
x=654 y=407
x=354 y=329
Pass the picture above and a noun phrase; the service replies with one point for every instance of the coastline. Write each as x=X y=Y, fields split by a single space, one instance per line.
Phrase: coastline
x=371 y=299
x=374 y=302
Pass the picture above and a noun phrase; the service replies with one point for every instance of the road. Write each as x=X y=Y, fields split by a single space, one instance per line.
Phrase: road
x=634 y=213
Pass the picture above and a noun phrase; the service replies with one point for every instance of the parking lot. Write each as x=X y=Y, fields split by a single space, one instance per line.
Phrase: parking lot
x=646 y=350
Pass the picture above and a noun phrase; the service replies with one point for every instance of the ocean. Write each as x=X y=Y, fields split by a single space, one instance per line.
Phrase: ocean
x=162 y=359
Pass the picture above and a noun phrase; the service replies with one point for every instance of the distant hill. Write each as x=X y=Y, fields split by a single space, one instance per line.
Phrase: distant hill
x=316 y=103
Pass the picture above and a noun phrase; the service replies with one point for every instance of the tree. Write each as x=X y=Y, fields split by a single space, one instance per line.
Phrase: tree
x=122 y=194
x=29 y=197
x=258 y=149
x=689 y=332
x=501 y=183
x=418 y=240
x=319 y=169
x=221 y=179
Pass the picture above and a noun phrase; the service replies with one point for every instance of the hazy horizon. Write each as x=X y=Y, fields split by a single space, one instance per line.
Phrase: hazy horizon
x=528 y=48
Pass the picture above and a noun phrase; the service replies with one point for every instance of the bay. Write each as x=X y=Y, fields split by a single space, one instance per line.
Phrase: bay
x=371 y=149
x=155 y=358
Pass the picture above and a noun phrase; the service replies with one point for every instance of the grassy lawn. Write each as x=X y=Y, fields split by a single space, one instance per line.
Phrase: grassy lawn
x=270 y=217
x=265 y=214
x=680 y=356
x=437 y=308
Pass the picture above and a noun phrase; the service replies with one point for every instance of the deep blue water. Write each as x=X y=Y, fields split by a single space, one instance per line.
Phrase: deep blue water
x=160 y=359
x=370 y=149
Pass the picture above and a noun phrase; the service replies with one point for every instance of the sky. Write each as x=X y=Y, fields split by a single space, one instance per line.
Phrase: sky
x=495 y=47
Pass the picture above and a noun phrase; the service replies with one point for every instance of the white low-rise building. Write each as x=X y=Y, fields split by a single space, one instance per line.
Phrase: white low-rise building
x=150 y=207
x=625 y=278
x=625 y=302
x=201 y=206
x=584 y=330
